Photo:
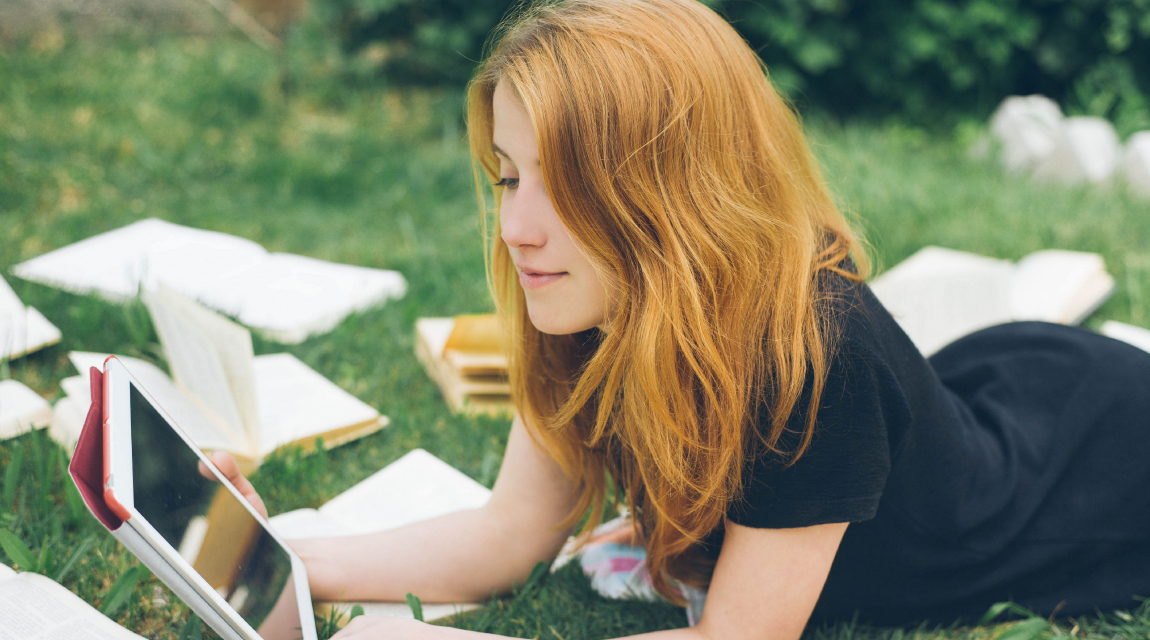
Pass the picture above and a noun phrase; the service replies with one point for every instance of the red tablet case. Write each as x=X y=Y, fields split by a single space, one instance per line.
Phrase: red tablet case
x=87 y=471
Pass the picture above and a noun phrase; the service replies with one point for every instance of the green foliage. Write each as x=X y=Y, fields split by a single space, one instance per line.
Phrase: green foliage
x=918 y=57
x=418 y=42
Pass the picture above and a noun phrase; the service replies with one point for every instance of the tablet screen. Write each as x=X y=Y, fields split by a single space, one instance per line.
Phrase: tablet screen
x=209 y=527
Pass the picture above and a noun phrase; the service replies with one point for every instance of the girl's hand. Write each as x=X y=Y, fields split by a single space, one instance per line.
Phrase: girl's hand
x=227 y=466
x=382 y=628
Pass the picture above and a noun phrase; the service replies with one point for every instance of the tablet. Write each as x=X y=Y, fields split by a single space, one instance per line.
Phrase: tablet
x=250 y=584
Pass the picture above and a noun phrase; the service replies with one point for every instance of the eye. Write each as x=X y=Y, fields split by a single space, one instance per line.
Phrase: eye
x=509 y=183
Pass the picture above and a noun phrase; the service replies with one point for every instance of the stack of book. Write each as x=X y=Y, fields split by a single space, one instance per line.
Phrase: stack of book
x=464 y=355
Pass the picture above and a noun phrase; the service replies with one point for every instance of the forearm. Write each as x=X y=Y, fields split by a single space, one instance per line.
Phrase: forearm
x=463 y=556
x=375 y=627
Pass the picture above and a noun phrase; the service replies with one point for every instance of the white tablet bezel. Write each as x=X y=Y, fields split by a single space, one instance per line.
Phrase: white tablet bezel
x=119 y=494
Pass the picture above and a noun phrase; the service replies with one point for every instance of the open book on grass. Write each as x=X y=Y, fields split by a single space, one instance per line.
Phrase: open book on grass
x=464 y=356
x=286 y=297
x=416 y=487
x=222 y=396
x=23 y=329
x=21 y=409
x=35 y=607
x=1136 y=336
x=939 y=295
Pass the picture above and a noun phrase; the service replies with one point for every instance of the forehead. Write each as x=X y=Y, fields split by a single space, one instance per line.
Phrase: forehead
x=513 y=135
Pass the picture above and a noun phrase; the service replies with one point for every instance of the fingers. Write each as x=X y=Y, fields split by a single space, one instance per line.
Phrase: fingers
x=227 y=466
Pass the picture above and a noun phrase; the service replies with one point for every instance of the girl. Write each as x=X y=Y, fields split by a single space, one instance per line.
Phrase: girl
x=688 y=326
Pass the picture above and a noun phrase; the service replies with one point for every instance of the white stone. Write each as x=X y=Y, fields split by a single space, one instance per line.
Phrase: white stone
x=1136 y=163
x=1086 y=149
x=1026 y=128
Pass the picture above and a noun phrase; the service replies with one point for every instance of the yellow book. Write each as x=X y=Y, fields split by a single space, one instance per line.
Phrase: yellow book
x=464 y=356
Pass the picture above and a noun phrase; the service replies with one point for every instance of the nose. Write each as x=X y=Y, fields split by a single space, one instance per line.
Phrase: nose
x=520 y=219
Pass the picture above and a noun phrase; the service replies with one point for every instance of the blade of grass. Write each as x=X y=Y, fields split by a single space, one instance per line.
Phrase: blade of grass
x=120 y=591
x=75 y=501
x=994 y=611
x=193 y=628
x=1024 y=630
x=536 y=576
x=17 y=551
x=357 y=611
x=45 y=564
x=12 y=476
x=415 y=604
x=73 y=558
x=37 y=463
x=46 y=478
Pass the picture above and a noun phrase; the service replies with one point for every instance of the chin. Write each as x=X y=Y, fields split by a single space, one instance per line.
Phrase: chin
x=558 y=323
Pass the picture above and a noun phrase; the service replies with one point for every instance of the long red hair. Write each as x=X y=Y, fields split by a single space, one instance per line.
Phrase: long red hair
x=687 y=182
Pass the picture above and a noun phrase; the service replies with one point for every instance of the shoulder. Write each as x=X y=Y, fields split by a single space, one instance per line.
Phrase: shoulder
x=841 y=475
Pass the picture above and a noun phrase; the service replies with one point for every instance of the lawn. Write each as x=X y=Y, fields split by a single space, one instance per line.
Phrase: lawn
x=303 y=155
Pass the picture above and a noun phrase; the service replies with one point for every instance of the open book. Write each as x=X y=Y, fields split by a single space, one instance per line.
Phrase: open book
x=286 y=297
x=416 y=487
x=21 y=409
x=221 y=395
x=939 y=295
x=1136 y=336
x=464 y=355
x=34 y=607
x=22 y=329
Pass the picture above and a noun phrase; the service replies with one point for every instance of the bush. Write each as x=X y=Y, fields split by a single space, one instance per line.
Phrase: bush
x=916 y=57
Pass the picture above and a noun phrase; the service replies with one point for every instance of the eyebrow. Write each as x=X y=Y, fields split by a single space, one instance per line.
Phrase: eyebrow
x=495 y=148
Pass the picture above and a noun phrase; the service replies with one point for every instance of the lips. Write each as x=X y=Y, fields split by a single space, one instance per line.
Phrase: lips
x=532 y=278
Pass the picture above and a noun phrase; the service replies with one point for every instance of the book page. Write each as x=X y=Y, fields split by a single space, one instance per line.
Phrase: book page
x=296 y=403
x=434 y=333
x=288 y=297
x=9 y=302
x=478 y=333
x=117 y=263
x=1129 y=333
x=67 y=422
x=21 y=409
x=305 y=523
x=22 y=329
x=210 y=358
x=184 y=411
x=33 y=607
x=416 y=487
x=1059 y=286
x=939 y=295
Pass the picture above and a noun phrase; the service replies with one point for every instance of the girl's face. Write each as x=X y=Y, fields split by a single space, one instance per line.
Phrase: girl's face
x=563 y=291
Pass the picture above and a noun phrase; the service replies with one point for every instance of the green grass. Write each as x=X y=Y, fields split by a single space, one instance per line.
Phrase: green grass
x=212 y=133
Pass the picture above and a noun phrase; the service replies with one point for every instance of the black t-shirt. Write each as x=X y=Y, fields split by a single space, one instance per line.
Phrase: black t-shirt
x=1011 y=466
x=863 y=411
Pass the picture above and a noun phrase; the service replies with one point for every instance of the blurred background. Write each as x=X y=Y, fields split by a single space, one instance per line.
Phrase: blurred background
x=334 y=129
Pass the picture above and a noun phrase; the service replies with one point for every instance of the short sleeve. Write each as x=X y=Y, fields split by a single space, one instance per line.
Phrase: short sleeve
x=841 y=475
